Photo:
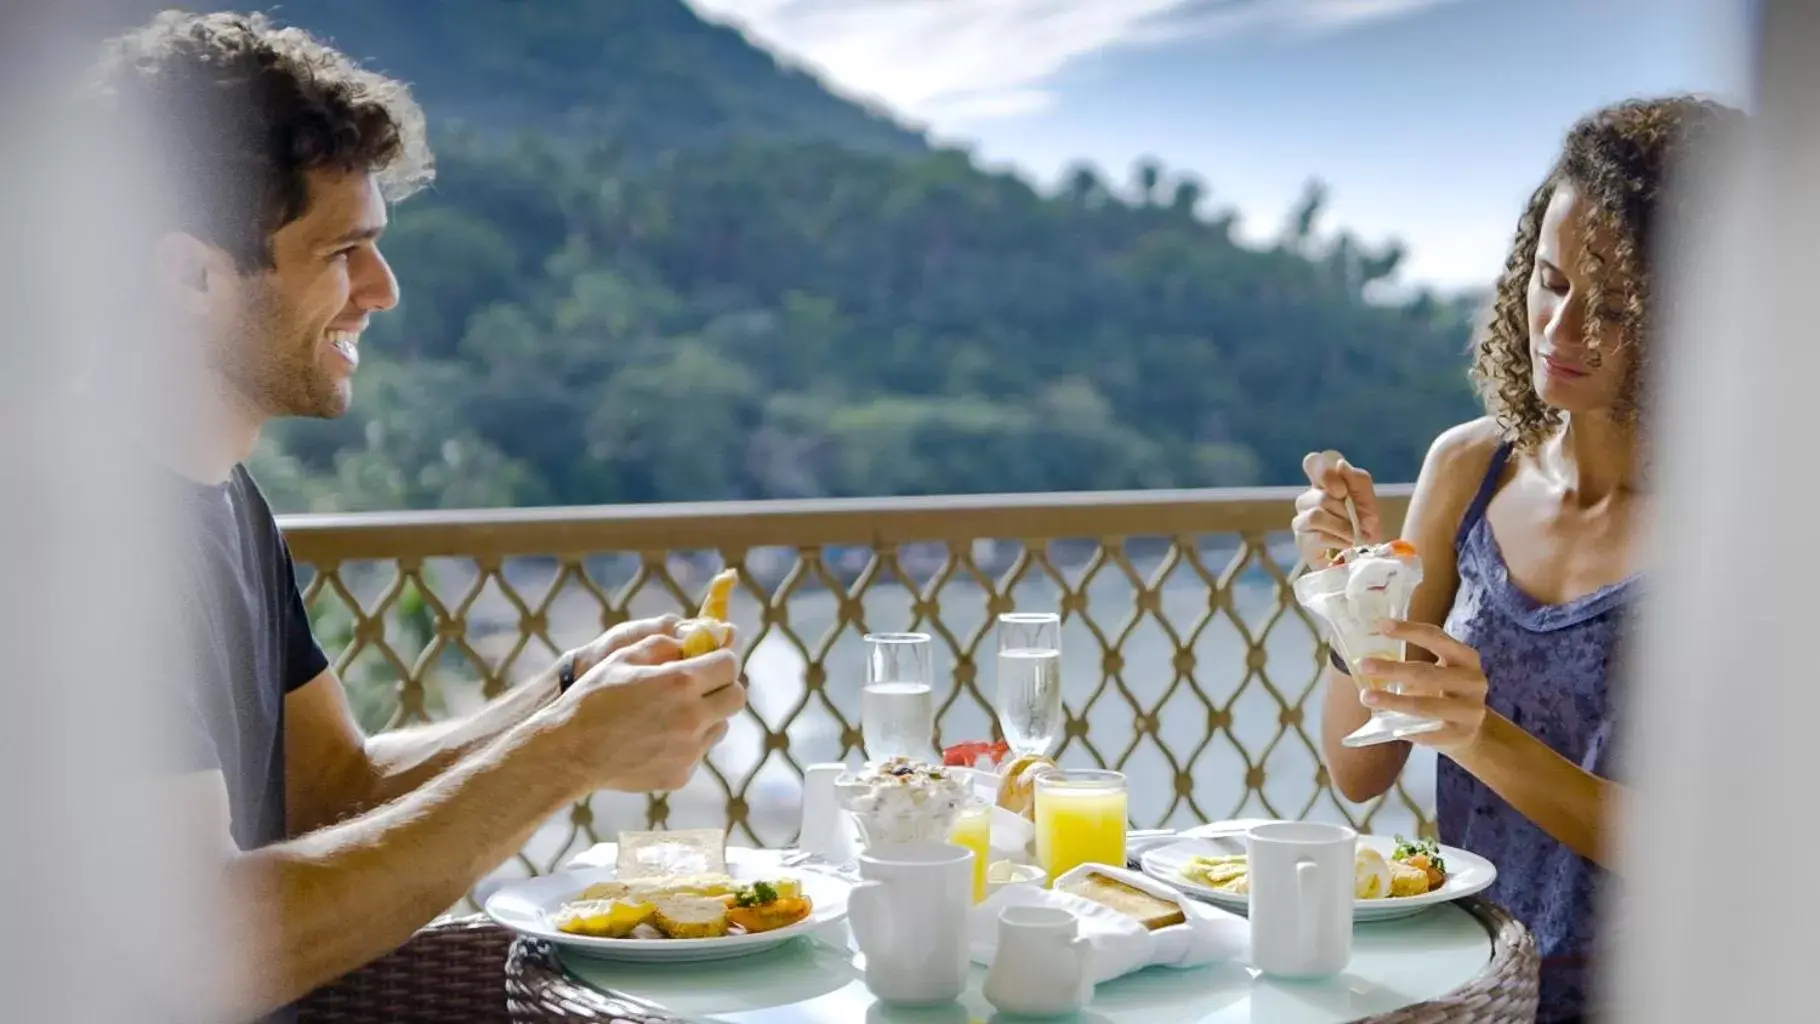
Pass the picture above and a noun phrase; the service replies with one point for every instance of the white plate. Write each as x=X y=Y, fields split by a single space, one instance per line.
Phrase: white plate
x=527 y=907
x=1467 y=873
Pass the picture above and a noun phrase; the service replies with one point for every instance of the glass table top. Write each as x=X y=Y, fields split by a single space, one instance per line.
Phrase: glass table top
x=819 y=980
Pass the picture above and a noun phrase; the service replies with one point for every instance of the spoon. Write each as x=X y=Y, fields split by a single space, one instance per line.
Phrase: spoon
x=1334 y=458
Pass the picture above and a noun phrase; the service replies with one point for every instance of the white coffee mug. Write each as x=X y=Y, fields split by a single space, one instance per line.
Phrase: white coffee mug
x=909 y=916
x=1301 y=897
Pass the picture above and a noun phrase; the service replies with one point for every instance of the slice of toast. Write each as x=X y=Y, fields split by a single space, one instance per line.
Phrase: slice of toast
x=1150 y=911
x=697 y=851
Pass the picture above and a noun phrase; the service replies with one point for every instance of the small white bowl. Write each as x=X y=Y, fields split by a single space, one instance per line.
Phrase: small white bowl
x=1004 y=873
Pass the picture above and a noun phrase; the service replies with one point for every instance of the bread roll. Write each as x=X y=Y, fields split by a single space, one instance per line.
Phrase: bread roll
x=1017 y=787
x=709 y=630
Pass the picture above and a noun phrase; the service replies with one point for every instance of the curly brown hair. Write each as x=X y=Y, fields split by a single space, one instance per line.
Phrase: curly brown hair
x=243 y=110
x=1620 y=158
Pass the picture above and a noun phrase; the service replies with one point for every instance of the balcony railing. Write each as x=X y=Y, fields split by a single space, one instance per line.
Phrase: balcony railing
x=1187 y=663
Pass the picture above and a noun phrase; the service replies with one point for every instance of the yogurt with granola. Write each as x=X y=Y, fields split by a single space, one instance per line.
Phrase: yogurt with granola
x=903 y=801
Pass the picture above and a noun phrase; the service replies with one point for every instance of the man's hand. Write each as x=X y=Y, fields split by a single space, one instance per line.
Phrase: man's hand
x=643 y=718
x=619 y=638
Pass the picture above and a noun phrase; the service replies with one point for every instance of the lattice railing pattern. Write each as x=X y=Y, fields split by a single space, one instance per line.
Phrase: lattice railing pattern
x=1187 y=663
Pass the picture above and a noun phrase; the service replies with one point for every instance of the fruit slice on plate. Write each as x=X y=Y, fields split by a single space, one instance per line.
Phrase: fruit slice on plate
x=603 y=918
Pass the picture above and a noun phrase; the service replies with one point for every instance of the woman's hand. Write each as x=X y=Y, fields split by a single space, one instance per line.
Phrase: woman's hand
x=1451 y=690
x=1321 y=524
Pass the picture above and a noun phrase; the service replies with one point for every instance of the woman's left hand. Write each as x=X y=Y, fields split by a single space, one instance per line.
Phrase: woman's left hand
x=1451 y=690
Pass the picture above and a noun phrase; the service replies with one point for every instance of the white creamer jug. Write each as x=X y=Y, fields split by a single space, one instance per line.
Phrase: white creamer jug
x=1040 y=968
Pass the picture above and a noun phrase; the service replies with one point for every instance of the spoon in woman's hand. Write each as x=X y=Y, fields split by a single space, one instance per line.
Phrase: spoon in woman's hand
x=1330 y=459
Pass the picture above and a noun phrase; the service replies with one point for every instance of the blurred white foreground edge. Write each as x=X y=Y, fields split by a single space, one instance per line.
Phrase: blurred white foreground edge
x=1720 y=899
x=99 y=918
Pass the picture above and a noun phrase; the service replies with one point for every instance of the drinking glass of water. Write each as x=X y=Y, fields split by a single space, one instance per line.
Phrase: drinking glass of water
x=897 y=706
x=1030 y=681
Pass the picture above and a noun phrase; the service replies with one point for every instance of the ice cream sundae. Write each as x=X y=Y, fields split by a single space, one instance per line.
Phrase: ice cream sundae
x=903 y=801
x=1364 y=586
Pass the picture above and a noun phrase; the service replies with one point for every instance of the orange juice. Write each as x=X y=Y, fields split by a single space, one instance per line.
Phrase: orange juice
x=973 y=830
x=1080 y=819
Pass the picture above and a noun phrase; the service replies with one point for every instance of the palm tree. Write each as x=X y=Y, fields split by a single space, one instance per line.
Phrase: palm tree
x=1307 y=211
x=1149 y=176
x=1188 y=195
x=1084 y=187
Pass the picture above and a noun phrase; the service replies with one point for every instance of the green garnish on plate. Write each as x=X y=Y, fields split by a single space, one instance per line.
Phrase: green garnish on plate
x=1407 y=848
x=759 y=894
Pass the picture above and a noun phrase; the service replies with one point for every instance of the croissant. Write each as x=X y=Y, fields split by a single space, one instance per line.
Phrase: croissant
x=1017 y=787
x=709 y=630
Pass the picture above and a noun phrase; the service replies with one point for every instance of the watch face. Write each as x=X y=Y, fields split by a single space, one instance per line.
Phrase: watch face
x=566 y=678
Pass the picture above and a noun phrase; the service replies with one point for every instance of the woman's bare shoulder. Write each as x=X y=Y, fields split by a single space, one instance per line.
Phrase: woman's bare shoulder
x=1465 y=450
x=1455 y=466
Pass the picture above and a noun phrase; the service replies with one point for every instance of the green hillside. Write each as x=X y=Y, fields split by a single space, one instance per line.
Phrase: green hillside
x=647 y=73
x=754 y=289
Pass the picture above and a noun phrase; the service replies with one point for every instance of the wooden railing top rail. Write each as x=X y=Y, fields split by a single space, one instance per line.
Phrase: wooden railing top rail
x=740 y=525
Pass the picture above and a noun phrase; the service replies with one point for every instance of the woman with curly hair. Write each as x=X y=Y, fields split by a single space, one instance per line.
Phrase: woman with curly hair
x=1529 y=525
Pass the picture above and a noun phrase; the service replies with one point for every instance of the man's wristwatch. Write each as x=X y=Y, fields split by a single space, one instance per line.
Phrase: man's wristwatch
x=1339 y=663
x=565 y=676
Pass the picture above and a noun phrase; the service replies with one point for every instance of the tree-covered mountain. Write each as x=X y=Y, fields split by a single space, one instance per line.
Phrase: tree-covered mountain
x=649 y=74
x=754 y=289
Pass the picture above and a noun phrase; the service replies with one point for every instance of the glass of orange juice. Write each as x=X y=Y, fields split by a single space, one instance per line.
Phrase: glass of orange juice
x=973 y=830
x=1080 y=819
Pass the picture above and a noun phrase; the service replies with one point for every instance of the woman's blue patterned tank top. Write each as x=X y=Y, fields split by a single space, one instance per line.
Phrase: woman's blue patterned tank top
x=1551 y=669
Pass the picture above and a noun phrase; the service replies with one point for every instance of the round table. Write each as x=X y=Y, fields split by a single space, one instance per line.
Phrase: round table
x=1468 y=961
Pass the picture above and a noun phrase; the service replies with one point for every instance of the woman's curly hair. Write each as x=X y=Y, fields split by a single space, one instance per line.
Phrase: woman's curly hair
x=1620 y=158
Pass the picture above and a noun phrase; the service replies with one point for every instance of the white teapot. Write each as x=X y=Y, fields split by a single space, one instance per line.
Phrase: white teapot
x=1040 y=968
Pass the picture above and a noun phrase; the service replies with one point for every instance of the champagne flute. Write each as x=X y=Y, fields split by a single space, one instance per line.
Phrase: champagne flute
x=1030 y=681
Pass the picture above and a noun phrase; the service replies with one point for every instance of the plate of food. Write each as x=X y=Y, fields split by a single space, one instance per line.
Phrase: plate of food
x=689 y=909
x=1393 y=877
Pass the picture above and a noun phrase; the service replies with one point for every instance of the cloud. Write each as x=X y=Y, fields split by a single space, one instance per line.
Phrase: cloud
x=1295 y=18
x=946 y=63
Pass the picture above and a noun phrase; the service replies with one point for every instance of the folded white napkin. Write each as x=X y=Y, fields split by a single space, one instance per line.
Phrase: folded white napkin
x=1012 y=835
x=1119 y=944
x=600 y=855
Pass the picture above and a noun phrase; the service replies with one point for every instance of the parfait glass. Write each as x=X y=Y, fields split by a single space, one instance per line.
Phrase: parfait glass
x=1349 y=598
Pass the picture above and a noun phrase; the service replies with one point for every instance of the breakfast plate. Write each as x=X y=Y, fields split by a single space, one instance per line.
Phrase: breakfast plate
x=531 y=907
x=1466 y=874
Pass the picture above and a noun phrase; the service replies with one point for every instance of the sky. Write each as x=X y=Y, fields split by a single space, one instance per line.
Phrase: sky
x=1430 y=121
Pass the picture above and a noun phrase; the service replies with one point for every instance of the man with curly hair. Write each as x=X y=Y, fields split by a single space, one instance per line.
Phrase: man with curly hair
x=1528 y=523
x=329 y=847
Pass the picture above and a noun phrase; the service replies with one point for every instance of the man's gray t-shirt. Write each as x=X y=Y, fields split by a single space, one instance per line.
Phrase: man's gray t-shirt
x=250 y=645
x=235 y=601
